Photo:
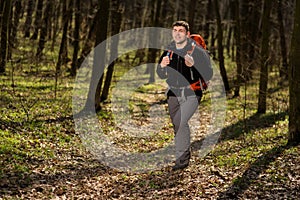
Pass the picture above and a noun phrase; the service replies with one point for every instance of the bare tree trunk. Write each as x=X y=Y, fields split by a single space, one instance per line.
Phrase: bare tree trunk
x=284 y=56
x=63 y=45
x=191 y=12
x=245 y=29
x=30 y=7
x=56 y=24
x=93 y=100
x=43 y=32
x=210 y=30
x=152 y=53
x=294 y=84
x=70 y=24
x=4 y=34
x=10 y=44
x=208 y=18
x=253 y=38
x=228 y=42
x=176 y=15
x=1 y=10
x=16 y=15
x=88 y=45
x=87 y=20
x=76 y=37
x=132 y=8
x=145 y=11
x=117 y=10
x=38 y=19
x=220 y=46
x=62 y=56
x=237 y=33
x=263 y=83
x=50 y=19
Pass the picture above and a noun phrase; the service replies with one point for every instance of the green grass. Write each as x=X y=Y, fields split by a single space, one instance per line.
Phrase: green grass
x=33 y=122
x=149 y=88
x=37 y=130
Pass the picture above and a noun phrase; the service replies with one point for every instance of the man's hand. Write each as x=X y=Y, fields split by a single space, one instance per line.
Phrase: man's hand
x=165 y=61
x=189 y=60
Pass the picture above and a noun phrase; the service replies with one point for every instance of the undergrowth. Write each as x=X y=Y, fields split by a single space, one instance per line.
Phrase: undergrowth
x=37 y=131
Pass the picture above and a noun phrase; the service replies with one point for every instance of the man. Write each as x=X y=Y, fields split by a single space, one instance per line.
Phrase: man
x=184 y=65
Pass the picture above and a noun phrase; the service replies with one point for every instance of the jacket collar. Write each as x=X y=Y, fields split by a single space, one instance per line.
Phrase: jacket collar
x=182 y=51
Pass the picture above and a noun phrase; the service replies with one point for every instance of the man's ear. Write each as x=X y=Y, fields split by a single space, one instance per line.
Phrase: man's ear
x=188 y=34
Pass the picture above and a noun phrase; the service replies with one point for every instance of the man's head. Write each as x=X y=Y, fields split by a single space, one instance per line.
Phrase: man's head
x=182 y=23
x=180 y=31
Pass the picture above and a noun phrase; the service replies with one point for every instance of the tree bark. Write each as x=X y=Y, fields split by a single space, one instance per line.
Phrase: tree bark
x=28 y=21
x=63 y=45
x=245 y=29
x=117 y=10
x=76 y=37
x=176 y=15
x=220 y=47
x=294 y=81
x=1 y=10
x=38 y=19
x=152 y=53
x=237 y=33
x=43 y=32
x=253 y=38
x=228 y=42
x=16 y=16
x=94 y=95
x=191 y=12
x=145 y=12
x=56 y=25
x=283 y=47
x=208 y=18
x=88 y=44
x=263 y=83
x=5 y=34
x=62 y=56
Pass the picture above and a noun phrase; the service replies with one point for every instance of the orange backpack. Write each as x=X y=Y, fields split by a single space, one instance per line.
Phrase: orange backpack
x=201 y=84
x=199 y=40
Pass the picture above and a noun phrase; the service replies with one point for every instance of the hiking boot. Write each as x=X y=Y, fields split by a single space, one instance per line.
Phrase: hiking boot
x=179 y=166
x=182 y=162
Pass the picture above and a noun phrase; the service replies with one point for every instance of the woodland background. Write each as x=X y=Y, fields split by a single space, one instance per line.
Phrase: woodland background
x=256 y=45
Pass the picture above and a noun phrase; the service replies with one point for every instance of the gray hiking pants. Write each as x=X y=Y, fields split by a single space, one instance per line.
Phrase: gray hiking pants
x=181 y=109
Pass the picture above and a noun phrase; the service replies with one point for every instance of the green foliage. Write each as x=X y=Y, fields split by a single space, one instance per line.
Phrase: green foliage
x=37 y=136
x=34 y=124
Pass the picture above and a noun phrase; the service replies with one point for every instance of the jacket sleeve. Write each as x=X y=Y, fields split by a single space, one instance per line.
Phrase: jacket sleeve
x=161 y=71
x=202 y=63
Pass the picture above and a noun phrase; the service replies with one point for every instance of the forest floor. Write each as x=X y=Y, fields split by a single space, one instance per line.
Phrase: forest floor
x=42 y=156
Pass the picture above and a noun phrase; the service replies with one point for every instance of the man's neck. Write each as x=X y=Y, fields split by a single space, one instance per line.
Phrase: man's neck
x=181 y=45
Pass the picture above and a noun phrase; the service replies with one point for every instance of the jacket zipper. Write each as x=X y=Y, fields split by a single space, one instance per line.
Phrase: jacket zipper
x=192 y=75
x=178 y=60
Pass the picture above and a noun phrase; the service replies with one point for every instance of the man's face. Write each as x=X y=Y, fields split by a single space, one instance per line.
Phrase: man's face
x=179 y=34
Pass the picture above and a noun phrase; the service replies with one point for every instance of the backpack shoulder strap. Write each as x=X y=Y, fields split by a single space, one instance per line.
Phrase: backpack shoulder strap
x=190 y=52
x=170 y=54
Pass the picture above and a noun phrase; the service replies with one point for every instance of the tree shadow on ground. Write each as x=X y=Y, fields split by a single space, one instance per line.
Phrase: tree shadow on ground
x=242 y=183
x=15 y=184
x=10 y=125
x=234 y=131
x=82 y=174
x=254 y=122
x=76 y=170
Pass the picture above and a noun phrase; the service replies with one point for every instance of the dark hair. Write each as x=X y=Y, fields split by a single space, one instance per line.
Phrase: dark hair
x=182 y=23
